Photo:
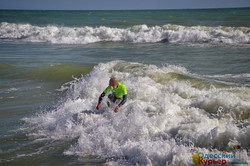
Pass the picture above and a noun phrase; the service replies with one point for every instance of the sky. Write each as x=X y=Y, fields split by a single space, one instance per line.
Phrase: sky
x=119 y=4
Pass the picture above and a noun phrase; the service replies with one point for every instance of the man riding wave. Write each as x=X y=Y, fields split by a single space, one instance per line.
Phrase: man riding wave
x=119 y=93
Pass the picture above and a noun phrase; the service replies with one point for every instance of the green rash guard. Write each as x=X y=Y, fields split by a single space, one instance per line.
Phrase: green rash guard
x=117 y=92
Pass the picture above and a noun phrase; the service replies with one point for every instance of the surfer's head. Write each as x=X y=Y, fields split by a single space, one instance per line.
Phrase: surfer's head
x=113 y=82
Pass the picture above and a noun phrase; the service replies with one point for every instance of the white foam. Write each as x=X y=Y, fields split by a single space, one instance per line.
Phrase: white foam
x=244 y=75
x=135 y=34
x=162 y=123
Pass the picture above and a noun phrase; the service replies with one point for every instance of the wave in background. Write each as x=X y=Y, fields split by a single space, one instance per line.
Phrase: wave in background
x=135 y=34
x=170 y=115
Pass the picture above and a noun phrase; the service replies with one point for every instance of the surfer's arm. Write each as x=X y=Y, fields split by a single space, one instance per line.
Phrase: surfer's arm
x=103 y=94
x=124 y=99
x=101 y=97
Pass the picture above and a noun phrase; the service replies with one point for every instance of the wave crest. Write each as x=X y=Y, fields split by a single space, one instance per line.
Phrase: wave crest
x=136 y=34
x=165 y=120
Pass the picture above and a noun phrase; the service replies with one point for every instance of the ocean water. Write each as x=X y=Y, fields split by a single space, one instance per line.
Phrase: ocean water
x=187 y=73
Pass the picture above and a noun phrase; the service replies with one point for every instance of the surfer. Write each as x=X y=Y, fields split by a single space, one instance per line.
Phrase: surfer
x=119 y=93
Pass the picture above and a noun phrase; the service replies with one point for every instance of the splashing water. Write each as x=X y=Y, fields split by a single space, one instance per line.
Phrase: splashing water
x=135 y=34
x=170 y=115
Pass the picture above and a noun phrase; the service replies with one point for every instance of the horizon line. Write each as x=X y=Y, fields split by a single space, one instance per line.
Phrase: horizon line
x=123 y=9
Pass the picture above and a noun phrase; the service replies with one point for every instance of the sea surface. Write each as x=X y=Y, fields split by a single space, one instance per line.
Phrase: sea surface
x=187 y=74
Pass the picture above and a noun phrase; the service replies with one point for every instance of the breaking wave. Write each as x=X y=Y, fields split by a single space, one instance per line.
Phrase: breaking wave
x=170 y=115
x=136 y=34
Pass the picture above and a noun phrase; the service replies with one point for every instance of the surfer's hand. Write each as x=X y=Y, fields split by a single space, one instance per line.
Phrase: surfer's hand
x=116 y=109
x=98 y=106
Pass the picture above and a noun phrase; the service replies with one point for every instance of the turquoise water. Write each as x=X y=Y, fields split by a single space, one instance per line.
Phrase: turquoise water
x=187 y=73
x=215 y=17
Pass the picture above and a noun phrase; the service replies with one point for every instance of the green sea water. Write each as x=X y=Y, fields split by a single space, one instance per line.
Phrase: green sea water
x=54 y=64
x=203 y=17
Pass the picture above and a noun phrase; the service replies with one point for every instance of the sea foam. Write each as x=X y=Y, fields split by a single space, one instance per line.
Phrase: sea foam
x=136 y=34
x=164 y=122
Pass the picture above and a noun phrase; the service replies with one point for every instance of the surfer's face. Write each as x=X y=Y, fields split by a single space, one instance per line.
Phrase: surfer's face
x=113 y=83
